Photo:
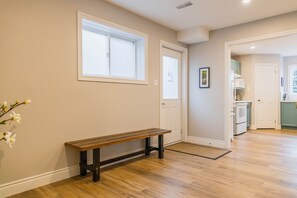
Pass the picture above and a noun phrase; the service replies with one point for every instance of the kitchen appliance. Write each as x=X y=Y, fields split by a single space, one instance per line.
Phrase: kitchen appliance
x=240 y=118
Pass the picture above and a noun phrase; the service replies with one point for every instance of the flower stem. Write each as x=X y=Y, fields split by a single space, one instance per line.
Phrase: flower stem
x=11 y=108
x=3 y=122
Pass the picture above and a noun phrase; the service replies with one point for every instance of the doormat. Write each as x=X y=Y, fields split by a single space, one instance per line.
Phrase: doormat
x=197 y=150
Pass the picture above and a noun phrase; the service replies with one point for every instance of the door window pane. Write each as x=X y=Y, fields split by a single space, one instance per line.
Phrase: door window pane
x=170 y=78
x=94 y=53
x=122 y=58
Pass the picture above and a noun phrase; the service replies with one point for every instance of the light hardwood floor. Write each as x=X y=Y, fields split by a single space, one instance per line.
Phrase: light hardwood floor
x=261 y=164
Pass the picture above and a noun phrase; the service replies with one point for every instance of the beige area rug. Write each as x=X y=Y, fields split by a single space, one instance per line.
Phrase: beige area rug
x=197 y=150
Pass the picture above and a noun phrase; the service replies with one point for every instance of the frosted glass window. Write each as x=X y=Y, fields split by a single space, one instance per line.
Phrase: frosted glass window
x=170 y=78
x=122 y=58
x=293 y=79
x=94 y=53
x=110 y=53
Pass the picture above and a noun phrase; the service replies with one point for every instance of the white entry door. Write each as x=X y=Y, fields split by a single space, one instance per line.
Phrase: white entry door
x=170 y=102
x=265 y=95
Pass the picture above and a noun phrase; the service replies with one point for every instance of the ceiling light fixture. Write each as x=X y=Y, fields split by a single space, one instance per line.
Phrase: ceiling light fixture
x=246 y=1
x=184 y=5
x=253 y=47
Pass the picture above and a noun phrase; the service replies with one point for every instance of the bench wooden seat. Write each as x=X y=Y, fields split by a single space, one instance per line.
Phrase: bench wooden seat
x=96 y=143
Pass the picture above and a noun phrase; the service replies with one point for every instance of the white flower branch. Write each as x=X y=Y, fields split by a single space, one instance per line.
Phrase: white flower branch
x=9 y=137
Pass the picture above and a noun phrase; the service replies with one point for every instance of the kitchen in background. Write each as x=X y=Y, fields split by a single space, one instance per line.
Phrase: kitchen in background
x=247 y=59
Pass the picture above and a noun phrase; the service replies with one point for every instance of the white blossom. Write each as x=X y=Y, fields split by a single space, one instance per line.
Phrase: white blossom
x=5 y=106
x=10 y=138
x=15 y=117
x=7 y=136
x=27 y=101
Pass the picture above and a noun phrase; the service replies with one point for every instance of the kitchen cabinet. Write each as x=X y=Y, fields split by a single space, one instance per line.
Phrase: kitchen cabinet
x=289 y=114
x=236 y=66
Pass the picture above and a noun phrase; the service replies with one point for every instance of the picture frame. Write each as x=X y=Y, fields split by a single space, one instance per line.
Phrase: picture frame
x=204 y=77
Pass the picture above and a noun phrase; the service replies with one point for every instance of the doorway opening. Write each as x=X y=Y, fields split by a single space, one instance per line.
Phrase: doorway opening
x=264 y=62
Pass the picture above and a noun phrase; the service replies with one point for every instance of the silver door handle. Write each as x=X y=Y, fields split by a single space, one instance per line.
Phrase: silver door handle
x=259 y=100
x=163 y=103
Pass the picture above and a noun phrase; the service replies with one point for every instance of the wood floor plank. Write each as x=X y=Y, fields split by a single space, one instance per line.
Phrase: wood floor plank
x=262 y=164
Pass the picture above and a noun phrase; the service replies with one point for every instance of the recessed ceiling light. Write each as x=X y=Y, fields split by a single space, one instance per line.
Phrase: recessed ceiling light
x=253 y=47
x=246 y=1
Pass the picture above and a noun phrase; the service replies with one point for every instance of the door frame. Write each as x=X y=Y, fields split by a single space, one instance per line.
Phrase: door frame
x=227 y=82
x=184 y=85
x=277 y=93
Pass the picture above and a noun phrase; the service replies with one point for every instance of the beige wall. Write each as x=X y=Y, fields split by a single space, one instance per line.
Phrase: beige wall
x=38 y=60
x=248 y=64
x=206 y=106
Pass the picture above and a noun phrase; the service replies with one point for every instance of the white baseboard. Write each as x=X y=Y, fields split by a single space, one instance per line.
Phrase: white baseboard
x=36 y=181
x=253 y=127
x=207 y=142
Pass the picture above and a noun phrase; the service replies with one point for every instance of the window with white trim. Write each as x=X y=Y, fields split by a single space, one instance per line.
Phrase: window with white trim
x=109 y=52
x=293 y=79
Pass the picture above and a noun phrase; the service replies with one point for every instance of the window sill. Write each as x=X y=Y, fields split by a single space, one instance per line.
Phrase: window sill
x=112 y=80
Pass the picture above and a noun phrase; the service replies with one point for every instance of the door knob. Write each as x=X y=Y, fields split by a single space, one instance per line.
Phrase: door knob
x=259 y=100
x=163 y=103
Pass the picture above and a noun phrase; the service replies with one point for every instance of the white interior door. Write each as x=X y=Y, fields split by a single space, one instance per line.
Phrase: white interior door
x=265 y=95
x=170 y=102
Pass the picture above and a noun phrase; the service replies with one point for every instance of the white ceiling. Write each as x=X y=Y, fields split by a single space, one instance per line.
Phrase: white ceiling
x=213 y=14
x=285 y=46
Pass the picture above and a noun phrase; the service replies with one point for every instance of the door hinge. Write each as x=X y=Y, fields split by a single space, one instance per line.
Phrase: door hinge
x=181 y=131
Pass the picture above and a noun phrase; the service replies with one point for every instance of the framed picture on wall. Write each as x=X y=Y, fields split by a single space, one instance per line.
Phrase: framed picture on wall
x=204 y=77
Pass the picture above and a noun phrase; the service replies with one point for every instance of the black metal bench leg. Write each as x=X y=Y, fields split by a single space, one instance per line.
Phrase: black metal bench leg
x=161 y=146
x=83 y=163
x=96 y=164
x=147 y=146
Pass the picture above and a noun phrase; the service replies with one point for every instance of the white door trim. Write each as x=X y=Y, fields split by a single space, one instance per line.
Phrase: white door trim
x=227 y=83
x=184 y=84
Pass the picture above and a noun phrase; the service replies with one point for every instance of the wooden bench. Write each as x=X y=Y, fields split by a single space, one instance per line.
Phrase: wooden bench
x=96 y=143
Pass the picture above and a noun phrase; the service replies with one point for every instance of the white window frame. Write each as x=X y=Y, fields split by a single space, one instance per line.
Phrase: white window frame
x=81 y=77
x=290 y=68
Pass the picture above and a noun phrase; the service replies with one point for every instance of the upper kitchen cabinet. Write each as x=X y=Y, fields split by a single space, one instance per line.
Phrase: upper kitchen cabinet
x=236 y=66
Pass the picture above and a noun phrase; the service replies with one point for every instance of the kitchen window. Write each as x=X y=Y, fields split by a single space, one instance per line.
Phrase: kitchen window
x=110 y=53
x=293 y=79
